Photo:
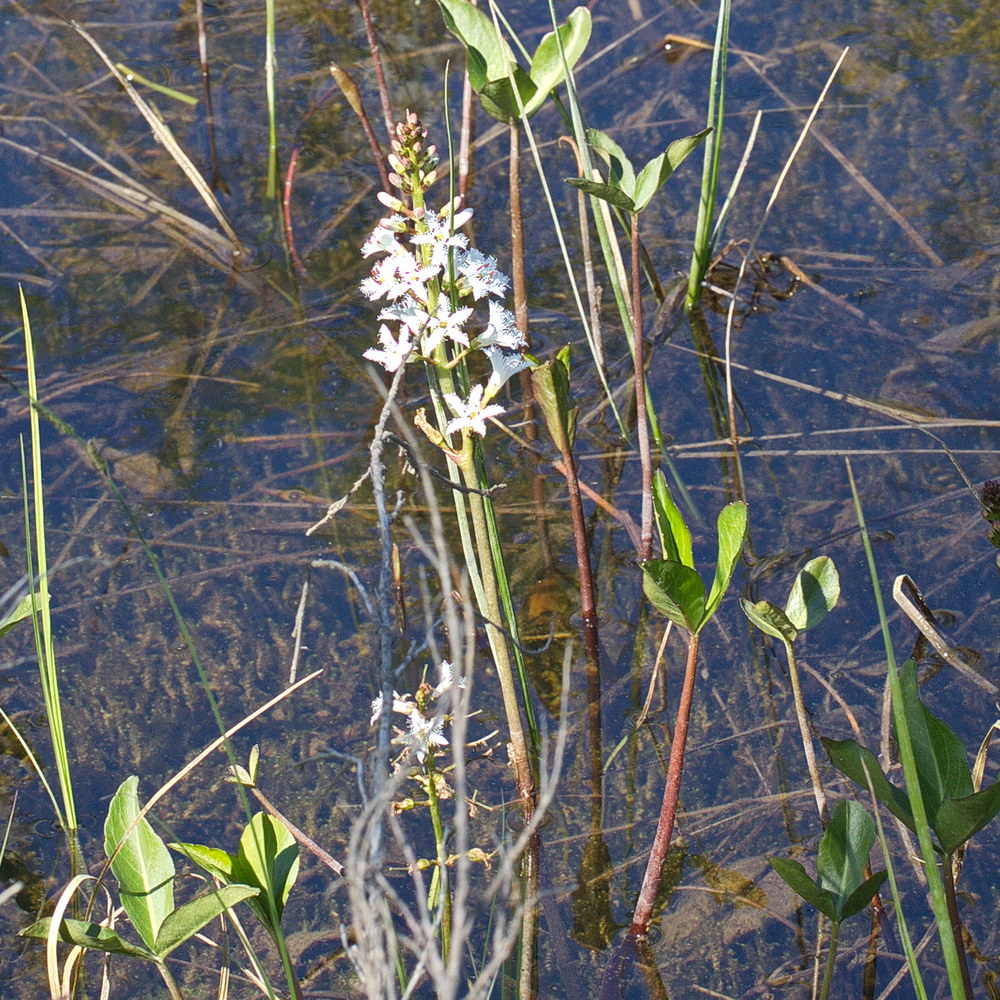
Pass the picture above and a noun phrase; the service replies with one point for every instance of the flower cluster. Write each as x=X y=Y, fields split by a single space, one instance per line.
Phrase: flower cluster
x=424 y=716
x=427 y=274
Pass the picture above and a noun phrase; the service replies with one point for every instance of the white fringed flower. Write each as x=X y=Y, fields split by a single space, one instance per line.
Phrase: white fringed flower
x=470 y=413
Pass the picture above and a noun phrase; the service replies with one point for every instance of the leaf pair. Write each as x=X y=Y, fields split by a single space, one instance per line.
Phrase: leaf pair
x=625 y=189
x=954 y=810
x=267 y=860
x=672 y=584
x=145 y=872
x=813 y=595
x=841 y=889
x=493 y=67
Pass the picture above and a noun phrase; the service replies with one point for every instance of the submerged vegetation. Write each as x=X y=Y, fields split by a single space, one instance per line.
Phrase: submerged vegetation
x=426 y=570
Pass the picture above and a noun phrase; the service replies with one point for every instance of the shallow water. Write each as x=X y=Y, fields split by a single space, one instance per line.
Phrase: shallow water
x=231 y=413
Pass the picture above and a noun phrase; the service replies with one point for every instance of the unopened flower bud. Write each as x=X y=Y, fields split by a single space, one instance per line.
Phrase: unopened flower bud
x=390 y=201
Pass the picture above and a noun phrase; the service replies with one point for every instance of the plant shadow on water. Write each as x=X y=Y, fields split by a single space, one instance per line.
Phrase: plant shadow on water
x=233 y=410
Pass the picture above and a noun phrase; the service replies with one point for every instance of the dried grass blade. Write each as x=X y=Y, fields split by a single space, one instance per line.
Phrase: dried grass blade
x=164 y=136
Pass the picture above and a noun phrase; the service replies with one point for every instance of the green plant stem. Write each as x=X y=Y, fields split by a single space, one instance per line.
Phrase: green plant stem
x=641 y=399
x=270 y=70
x=935 y=886
x=492 y=612
x=442 y=858
x=671 y=795
x=831 y=956
x=169 y=981
x=807 y=743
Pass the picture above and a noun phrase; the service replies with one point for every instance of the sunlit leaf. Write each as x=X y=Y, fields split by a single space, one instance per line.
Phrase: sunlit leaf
x=550 y=382
x=814 y=593
x=676 y=591
x=188 y=919
x=19 y=613
x=851 y=758
x=621 y=175
x=770 y=620
x=87 y=935
x=216 y=862
x=489 y=55
x=141 y=863
x=655 y=173
x=732 y=531
x=498 y=98
x=268 y=858
x=547 y=70
x=675 y=536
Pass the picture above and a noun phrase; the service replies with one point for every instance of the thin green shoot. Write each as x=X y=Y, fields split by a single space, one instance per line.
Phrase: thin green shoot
x=703 y=235
x=897 y=902
x=41 y=612
x=135 y=77
x=270 y=71
x=935 y=885
x=36 y=765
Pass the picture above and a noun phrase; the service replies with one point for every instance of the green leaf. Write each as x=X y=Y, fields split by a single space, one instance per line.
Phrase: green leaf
x=958 y=819
x=192 y=916
x=621 y=174
x=675 y=536
x=547 y=70
x=850 y=758
x=770 y=620
x=841 y=890
x=843 y=851
x=268 y=859
x=798 y=878
x=550 y=381
x=863 y=895
x=676 y=591
x=606 y=192
x=22 y=611
x=814 y=593
x=655 y=173
x=87 y=935
x=142 y=865
x=489 y=55
x=732 y=531
x=217 y=863
x=498 y=99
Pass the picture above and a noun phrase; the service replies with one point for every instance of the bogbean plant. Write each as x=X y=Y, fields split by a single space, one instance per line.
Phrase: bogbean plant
x=435 y=287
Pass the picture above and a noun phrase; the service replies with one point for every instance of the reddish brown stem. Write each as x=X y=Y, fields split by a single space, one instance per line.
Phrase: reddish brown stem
x=641 y=416
x=383 y=88
x=286 y=211
x=671 y=795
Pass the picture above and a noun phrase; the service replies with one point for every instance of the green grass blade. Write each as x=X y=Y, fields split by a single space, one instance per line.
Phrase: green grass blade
x=702 y=252
x=41 y=611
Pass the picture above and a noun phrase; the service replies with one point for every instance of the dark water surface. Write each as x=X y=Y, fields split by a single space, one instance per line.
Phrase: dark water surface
x=232 y=411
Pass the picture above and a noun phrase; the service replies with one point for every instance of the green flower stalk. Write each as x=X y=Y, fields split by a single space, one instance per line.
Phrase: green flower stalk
x=433 y=282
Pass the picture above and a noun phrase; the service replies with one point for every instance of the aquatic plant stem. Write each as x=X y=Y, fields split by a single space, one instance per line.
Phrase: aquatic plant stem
x=641 y=412
x=517 y=234
x=270 y=71
x=442 y=858
x=671 y=795
x=831 y=956
x=493 y=614
x=383 y=88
